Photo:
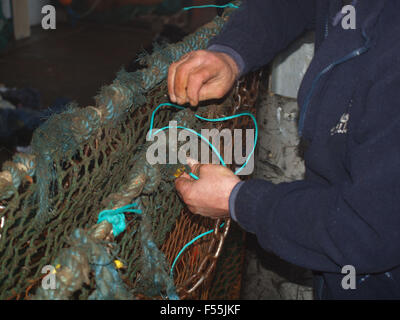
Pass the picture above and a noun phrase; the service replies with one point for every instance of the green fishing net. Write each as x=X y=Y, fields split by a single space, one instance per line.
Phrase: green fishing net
x=84 y=161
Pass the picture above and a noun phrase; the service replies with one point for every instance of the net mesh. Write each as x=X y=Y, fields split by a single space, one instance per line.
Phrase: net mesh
x=85 y=156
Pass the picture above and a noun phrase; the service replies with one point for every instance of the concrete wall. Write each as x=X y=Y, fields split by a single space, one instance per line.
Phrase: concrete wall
x=289 y=67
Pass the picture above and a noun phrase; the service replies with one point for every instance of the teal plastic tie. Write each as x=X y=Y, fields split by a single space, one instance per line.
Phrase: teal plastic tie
x=117 y=218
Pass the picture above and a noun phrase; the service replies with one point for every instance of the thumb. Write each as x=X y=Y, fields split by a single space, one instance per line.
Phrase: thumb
x=194 y=166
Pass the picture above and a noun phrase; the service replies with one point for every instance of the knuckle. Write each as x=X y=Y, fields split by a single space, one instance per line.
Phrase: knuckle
x=201 y=56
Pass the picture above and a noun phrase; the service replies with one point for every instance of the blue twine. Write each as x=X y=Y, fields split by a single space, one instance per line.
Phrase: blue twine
x=212 y=147
x=155 y=110
x=198 y=134
x=193 y=176
x=202 y=137
x=233 y=117
x=117 y=218
x=189 y=244
x=229 y=5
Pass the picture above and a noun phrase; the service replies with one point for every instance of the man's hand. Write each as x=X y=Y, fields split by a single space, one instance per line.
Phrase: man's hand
x=201 y=75
x=208 y=196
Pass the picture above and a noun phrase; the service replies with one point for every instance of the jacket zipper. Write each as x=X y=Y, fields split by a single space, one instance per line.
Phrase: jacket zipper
x=326 y=27
x=351 y=55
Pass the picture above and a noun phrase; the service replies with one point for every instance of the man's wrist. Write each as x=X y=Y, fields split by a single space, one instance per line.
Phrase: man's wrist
x=236 y=57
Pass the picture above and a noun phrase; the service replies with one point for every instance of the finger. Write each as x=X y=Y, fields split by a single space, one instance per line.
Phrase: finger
x=171 y=77
x=171 y=80
x=182 y=73
x=181 y=79
x=195 y=81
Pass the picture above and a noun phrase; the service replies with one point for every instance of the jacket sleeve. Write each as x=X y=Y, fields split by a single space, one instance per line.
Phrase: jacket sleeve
x=260 y=29
x=324 y=227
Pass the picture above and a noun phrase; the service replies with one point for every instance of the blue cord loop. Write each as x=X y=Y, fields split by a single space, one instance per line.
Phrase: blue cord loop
x=156 y=109
x=202 y=137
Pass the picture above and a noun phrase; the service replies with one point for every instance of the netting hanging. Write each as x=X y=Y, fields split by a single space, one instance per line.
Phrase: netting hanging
x=91 y=160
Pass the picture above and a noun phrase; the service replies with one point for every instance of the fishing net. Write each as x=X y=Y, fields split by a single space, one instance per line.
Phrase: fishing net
x=91 y=160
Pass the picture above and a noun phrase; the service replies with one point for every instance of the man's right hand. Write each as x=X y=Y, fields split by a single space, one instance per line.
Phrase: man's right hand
x=201 y=75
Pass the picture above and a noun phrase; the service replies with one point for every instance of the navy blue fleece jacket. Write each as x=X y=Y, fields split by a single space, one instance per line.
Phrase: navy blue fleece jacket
x=347 y=210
